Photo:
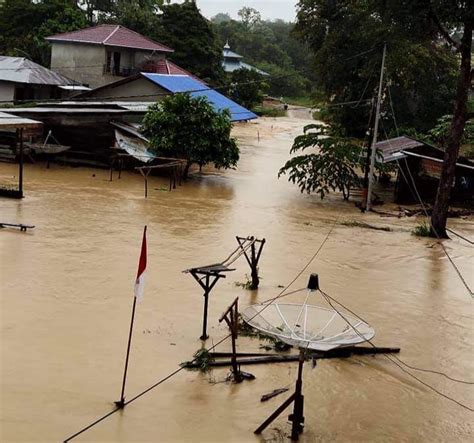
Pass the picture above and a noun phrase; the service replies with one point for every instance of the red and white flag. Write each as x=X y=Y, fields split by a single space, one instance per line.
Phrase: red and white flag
x=140 y=281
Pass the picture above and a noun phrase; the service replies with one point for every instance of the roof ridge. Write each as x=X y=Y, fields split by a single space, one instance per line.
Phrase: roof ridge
x=146 y=38
x=117 y=27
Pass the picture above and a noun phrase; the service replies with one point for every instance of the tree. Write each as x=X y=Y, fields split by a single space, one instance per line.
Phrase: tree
x=181 y=126
x=462 y=14
x=196 y=46
x=140 y=16
x=270 y=46
x=439 y=135
x=331 y=166
x=250 y=17
x=25 y=23
x=347 y=37
x=221 y=17
x=247 y=87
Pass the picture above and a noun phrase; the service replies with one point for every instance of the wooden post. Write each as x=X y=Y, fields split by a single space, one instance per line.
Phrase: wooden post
x=297 y=417
x=231 y=316
x=207 y=287
x=120 y=168
x=21 y=161
x=297 y=399
x=253 y=259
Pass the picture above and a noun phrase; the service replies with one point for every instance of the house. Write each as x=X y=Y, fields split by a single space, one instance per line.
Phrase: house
x=233 y=61
x=98 y=55
x=151 y=87
x=21 y=79
x=419 y=165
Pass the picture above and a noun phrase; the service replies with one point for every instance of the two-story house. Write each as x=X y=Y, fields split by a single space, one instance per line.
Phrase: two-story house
x=101 y=54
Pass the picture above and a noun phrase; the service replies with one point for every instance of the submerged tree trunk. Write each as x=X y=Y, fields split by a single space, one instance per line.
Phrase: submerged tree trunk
x=186 y=170
x=441 y=206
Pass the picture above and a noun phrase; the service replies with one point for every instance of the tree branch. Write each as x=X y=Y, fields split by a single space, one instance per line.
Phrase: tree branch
x=444 y=32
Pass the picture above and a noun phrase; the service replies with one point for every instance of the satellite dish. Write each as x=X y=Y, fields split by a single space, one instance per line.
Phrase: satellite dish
x=307 y=326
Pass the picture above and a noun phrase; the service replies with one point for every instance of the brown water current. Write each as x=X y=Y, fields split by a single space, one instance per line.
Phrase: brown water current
x=66 y=294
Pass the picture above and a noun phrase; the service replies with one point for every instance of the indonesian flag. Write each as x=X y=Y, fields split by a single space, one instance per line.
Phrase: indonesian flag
x=140 y=281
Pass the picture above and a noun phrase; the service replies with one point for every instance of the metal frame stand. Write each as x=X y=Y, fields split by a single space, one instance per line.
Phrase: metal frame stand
x=254 y=257
x=297 y=399
x=207 y=282
x=231 y=316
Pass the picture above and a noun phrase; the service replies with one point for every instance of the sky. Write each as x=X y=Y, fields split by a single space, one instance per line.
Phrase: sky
x=269 y=9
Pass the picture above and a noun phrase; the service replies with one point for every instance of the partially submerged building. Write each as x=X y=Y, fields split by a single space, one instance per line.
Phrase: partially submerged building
x=419 y=166
x=233 y=62
x=150 y=87
x=99 y=55
x=23 y=80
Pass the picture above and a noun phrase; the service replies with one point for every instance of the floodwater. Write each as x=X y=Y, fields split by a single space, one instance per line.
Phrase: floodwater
x=66 y=295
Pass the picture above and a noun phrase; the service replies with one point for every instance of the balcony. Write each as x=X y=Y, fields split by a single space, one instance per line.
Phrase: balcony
x=119 y=71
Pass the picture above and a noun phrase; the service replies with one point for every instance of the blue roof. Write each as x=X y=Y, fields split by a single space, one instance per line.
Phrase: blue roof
x=185 y=83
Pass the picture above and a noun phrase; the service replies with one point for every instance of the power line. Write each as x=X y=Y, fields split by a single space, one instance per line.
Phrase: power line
x=262 y=80
x=432 y=388
x=417 y=196
x=178 y=370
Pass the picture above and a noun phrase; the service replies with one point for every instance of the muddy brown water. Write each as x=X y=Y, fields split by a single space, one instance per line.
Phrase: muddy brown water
x=66 y=294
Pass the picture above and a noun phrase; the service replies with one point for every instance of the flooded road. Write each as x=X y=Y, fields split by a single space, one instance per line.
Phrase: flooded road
x=66 y=294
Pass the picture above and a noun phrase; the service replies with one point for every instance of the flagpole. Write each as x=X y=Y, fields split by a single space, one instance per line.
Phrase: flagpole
x=121 y=403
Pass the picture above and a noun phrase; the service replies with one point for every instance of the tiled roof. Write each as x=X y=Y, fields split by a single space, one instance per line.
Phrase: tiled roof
x=110 y=35
x=167 y=67
x=22 y=70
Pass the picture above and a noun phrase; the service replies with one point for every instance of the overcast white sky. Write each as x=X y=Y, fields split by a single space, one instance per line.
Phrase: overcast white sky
x=270 y=9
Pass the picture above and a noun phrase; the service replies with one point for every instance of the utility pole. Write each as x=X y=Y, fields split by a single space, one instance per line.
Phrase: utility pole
x=374 y=139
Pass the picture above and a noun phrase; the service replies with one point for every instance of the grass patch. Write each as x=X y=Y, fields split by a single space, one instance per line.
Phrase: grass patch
x=202 y=358
x=269 y=112
x=421 y=230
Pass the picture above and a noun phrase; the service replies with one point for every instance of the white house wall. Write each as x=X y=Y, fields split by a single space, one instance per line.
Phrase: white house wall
x=7 y=91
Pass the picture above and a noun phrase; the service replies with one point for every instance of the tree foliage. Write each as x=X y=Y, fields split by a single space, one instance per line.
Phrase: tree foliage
x=331 y=166
x=25 y=23
x=347 y=39
x=247 y=87
x=270 y=46
x=196 y=46
x=181 y=126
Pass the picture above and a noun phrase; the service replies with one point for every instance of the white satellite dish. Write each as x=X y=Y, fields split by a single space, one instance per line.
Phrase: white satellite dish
x=308 y=326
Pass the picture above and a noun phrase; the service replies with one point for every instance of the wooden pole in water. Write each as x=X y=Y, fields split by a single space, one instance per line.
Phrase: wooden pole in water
x=20 y=184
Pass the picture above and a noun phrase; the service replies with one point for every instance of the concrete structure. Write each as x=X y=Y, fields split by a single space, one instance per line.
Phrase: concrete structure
x=97 y=56
x=233 y=61
x=21 y=79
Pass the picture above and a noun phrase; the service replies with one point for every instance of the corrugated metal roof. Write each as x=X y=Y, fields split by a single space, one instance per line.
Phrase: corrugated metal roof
x=110 y=35
x=184 y=83
x=231 y=54
x=392 y=149
x=22 y=70
x=9 y=121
